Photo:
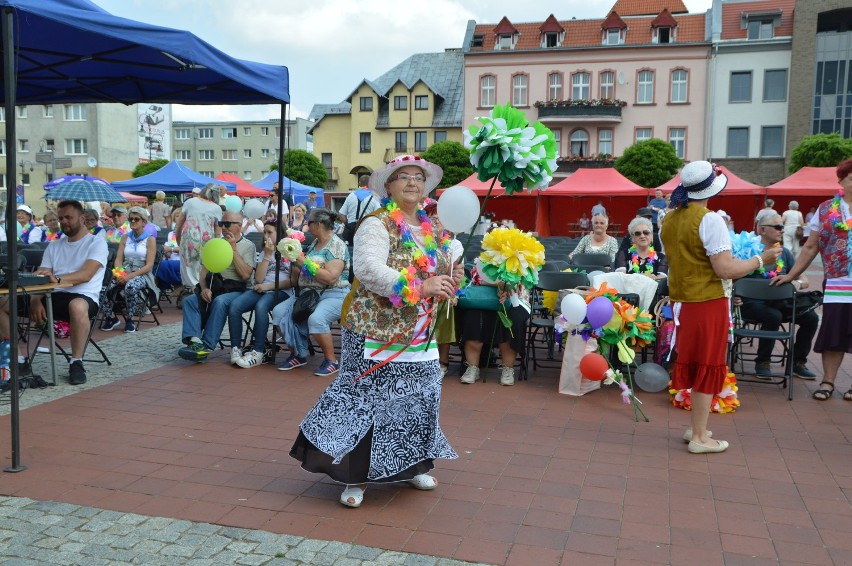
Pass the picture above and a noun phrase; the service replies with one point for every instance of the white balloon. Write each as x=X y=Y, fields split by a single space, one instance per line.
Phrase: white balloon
x=458 y=209
x=254 y=209
x=573 y=308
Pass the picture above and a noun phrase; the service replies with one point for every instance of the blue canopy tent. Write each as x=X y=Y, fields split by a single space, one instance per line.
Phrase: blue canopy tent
x=72 y=51
x=297 y=191
x=171 y=178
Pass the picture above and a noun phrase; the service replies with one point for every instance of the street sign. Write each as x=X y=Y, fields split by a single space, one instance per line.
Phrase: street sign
x=62 y=162
x=44 y=157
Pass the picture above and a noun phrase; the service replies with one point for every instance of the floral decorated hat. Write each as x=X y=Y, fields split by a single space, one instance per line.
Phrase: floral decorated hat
x=702 y=180
x=380 y=176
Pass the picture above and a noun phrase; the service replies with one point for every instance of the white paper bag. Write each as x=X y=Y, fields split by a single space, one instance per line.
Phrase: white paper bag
x=571 y=382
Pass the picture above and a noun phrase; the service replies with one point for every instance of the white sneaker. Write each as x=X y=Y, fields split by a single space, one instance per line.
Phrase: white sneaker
x=471 y=374
x=507 y=375
x=251 y=359
x=236 y=354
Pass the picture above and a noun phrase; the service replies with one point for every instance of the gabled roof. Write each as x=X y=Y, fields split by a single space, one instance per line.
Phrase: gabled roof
x=320 y=110
x=504 y=27
x=807 y=181
x=613 y=21
x=665 y=19
x=587 y=33
x=551 y=24
x=733 y=13
x=648 y=7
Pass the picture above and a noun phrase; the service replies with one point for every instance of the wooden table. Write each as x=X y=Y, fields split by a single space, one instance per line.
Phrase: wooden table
x=45 y=290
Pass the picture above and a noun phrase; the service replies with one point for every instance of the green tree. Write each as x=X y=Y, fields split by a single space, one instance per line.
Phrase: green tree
x=147 y=168
x=820 y=150
x=303 y=167
x=453 y=158
x=649 y=163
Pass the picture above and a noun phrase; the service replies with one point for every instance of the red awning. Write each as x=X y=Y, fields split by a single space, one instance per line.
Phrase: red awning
x=807 y=181
x=736 y=185
x=244 y=188
x=481 y=187
x=133 y=198
x=596 y=182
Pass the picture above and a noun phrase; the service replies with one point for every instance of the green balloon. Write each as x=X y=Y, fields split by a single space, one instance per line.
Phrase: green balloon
x=217 y=255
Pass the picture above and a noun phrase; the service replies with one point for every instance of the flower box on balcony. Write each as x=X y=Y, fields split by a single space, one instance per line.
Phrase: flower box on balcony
x=606 y=108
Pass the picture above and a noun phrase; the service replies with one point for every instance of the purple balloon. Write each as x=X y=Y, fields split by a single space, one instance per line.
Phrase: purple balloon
x=599 y=311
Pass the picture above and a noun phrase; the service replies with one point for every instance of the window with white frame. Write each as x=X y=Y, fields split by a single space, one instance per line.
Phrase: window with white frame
x=519 y=90
x=680 y=86
x=247 y=175
x=206 y=155
x=24 y=146
x=737 y=142
x=643 y=134
x=772 y=141
x=22 y=111
x=205 y=133
x=580 y=86
x=761 y=29
x=645 y=87
x=207 y=173
x=607 y=79
x=775 y=85
x=246 y=154
x=550 y=39
x=264 y=153
x=554 y=86
x=557 y=137
x=580 y=143
x=47 y=111
x=75 y=112
x=504 y=41
x=677 y=139
x=183 y=154
x=182 y=134
x=487 y=91
x=605 y=141
x=613 y=36
x=229 y=154
x=264 y=130
x=76 y=146
x=740 y=87
x=663 y=35
x=246 y=131
x=229 y=133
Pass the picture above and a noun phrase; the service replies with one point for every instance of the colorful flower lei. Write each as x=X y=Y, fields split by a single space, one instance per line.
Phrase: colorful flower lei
x=405 y=292
x=25 y=232
x=310 y=268
x=779 y=267
x=634 y=260
x=119 y=272
x=835 y=216
x=49 y=235
x=426 y=260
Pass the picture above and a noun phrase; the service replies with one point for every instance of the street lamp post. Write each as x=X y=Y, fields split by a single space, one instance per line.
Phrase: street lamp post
x=23 y=164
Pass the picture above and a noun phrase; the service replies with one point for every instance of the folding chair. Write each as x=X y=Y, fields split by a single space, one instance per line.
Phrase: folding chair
x=760 y=289
x=548 y=281
x=599 y=260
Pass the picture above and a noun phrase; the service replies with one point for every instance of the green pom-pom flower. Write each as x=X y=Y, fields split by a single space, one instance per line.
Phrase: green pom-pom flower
x=508 y=148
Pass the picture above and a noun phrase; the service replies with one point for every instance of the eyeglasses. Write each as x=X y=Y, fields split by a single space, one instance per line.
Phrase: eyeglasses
x=406 y=177
x=776 y=226
x=642 y=233
x=227 y=224
x=135 y=219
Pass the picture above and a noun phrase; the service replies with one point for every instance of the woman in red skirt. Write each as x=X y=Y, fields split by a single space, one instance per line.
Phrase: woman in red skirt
x=698 y=247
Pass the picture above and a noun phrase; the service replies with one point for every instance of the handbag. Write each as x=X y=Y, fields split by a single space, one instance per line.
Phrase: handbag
x=800 y=232
x=805 y=302
x=305 y=303
x=480 y=297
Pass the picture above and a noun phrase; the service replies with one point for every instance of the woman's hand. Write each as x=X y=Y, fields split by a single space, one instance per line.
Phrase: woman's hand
x=268 y=246
x=458 y=274
x=503 y=292
x=207 y=295
x=260 y=288
x=440 y=286
x=770 y=255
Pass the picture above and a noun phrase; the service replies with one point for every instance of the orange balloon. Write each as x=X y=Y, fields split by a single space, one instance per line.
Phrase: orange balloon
x=593 y=366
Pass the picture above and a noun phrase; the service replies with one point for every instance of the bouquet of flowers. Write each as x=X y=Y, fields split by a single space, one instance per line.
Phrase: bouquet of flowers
x=291 y=246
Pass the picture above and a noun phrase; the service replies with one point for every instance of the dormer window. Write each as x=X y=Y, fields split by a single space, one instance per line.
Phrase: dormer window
x=504 y=41
x=551 y=32
x=477 y=41
x=760 y=29
x=663 y=35
x=612 y=36
x=760 y=25
x=505 y=35
x=551 y=39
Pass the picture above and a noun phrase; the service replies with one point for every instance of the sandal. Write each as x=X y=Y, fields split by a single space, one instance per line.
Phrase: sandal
x=352 y=496
x=848 y=395
x=824 y=394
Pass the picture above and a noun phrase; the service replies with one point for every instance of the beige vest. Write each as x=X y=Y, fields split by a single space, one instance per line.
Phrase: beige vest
x=375 y=316
x=691 y=276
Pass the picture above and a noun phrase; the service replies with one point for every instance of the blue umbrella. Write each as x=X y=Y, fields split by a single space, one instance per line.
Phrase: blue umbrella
x=59 y=181
x=85 y=190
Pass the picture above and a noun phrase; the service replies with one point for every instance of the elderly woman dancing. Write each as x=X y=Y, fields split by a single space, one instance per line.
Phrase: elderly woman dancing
x=378 y=421
x=700 y=269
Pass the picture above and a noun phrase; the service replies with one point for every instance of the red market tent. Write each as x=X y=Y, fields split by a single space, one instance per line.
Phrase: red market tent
x=520 y=208
x=133 y=198
x=244 y=188
x=596 y=182
x=807 y=181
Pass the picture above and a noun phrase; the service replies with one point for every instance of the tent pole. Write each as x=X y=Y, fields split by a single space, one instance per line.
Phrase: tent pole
x=279 y=192
x=11 y=230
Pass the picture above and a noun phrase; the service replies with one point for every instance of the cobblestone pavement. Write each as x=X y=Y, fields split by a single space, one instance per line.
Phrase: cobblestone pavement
x=46 y=532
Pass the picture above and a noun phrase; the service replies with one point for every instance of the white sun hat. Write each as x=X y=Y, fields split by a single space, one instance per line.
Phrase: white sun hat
x=702 y=180
x=380 y=176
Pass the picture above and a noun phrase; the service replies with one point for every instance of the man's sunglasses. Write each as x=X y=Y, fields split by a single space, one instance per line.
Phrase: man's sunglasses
x=227 y=224
x=776 y=226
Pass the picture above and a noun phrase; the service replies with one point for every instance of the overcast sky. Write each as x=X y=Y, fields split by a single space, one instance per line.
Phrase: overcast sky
x=329 y=46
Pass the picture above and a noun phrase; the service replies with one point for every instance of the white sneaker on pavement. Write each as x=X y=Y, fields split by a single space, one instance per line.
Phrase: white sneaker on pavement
x=236 y=354
x=471 y=374
x=251 y=359
x=507 y=375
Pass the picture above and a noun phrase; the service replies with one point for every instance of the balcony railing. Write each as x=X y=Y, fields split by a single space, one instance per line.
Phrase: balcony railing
x=598 y=110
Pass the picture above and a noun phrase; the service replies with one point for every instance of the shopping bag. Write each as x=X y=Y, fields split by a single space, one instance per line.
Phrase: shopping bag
x=571 y=382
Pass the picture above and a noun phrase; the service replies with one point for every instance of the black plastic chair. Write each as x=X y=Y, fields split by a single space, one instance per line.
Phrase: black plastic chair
x=601 y=260
x=760 y=289
x=544 y=323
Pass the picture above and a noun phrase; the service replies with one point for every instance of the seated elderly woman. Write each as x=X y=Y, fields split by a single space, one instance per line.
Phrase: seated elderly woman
x=598 y=242
x=261 y=298
x=641 y=257
x=479 y=327
x=136 y=252
x=51 y=230
x=325 y=267
x=92 y=220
